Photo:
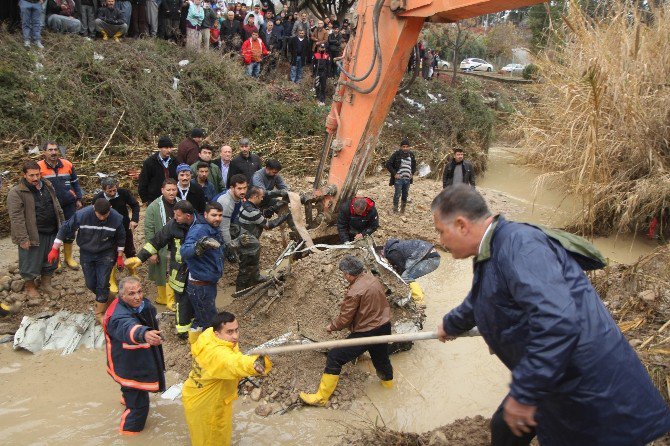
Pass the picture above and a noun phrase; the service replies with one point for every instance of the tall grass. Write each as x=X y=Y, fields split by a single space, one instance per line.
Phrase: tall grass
x=602 y=122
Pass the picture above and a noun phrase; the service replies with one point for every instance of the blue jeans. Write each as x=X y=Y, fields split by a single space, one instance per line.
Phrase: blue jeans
x=31 y=20
x=97 y=268
x=126 y=10
x=421 y=268
x=401 y=188
x=254 y=69
x=203 y=300
x=296 y=70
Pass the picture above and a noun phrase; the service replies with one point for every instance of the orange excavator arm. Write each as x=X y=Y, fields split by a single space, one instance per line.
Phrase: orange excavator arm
x=374 y=63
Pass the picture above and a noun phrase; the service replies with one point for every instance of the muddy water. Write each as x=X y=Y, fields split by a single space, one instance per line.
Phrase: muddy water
x=550 y=206
x=49 y=399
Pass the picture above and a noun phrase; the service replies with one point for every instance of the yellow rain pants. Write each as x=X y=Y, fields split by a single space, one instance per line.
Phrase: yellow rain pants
x=211 y=388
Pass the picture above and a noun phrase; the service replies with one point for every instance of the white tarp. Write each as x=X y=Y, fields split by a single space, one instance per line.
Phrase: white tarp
x=62 y=331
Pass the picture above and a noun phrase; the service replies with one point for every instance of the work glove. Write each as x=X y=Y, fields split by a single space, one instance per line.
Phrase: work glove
x=53 y=255
x=119 y=262
x=204 y=244
x=231 y=256
x=269 y=212
x=245 y=240
x=278 y=221
x=133 y=262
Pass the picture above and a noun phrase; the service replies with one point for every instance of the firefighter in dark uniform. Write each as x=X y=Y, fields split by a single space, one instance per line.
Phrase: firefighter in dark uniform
x=172 y=235
x=134 y=352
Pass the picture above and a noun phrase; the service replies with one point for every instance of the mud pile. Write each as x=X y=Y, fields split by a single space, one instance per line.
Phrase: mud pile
x=306 y=297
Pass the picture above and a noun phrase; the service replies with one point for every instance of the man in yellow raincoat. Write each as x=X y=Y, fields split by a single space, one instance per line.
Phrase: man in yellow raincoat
x=211 y=387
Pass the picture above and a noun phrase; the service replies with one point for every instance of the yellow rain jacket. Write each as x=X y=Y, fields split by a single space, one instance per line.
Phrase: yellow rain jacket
x=211 y=388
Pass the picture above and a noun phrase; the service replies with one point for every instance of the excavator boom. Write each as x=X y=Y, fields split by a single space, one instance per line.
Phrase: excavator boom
x=374 y=63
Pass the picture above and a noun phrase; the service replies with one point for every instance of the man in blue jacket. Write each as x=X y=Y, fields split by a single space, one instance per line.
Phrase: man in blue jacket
x=575 y=378
x=101 y=239
x=134 y=353
x=412 y=259
x=202 y=252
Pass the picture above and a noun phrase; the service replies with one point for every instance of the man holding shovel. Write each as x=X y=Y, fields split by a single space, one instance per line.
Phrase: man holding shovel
x=575 y=378
x=366 y=312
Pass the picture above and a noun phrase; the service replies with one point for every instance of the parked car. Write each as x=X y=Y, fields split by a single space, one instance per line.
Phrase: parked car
x=443 y=65
x=475 y=65
x=513 y=68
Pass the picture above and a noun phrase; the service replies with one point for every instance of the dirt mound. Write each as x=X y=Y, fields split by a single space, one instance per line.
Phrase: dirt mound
x=305 y=297
x=464 y=432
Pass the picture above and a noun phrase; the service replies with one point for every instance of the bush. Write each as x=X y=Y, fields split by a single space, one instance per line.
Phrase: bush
x=530 y=71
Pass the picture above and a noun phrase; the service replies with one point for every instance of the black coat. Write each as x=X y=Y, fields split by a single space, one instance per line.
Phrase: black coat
x=121 y=203
x=348 y=222
x=295 y=50
x=247 y=166
x=195 y=196
x=468 y=173
x=230 y=29
x=152 y=176
x=393 y=164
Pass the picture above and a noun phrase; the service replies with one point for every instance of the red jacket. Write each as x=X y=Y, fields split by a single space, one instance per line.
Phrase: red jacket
x=247 y=53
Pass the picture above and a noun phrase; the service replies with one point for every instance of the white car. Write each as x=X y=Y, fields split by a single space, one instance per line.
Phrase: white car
x=514 y=68
x=475 y=65
x=444 y=65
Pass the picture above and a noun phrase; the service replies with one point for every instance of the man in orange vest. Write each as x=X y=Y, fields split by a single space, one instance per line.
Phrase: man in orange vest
x=60 y=172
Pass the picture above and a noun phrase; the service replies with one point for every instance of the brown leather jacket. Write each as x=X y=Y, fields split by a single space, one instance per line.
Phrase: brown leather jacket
x=364 y=307
x=21 y=209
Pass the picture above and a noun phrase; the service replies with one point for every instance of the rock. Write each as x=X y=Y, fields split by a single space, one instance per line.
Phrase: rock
x=12 y=269
x=17 y=285
x=33 y=302
x=438 y=438
x=263 y=410
x=5 y=283
x=647 y=295
x=274 y=394
x=635 y=342
x=8 y=328
x=256 y=394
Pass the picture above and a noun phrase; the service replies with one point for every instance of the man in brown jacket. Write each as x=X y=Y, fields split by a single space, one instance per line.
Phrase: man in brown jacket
x=35 y=217
x=319 y=36
x=366 y=312
x=189 y=149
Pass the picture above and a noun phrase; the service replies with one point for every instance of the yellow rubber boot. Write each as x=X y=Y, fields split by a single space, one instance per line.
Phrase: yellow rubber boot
x=326 y=389
x=161 y=299
x=104 y=35
x=100 y=309
x=169 y=298
x=67 y=255
x=193 y=336
x=417 y=292
x=113 y=286
x=116 y=36
x=4 y=309
x=388 y=384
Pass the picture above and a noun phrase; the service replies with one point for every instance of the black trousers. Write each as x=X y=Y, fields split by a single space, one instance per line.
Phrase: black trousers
x=137 y=409
x=379 y=353
x=249 y=271
x=320 y=87
x=184 y=315
x=501 y=435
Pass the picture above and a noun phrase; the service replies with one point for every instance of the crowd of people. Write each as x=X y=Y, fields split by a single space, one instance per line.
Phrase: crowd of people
x=530 y=300
x=258 y=34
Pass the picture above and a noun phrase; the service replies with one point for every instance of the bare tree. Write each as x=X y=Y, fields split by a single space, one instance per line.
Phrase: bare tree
x=323 y=8
x=455 y=42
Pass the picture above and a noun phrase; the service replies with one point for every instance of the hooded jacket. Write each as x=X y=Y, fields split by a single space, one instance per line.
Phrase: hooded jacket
x=404 y=254
x=211 y=387
x=538 y=312
x=349 y=223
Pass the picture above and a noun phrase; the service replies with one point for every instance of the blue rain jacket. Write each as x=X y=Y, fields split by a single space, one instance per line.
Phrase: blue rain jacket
x=538 y=312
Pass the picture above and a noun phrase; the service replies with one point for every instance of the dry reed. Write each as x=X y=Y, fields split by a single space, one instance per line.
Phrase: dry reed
x=602 y=122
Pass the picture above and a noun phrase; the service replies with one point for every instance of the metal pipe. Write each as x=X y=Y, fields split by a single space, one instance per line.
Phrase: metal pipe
x=405 y=337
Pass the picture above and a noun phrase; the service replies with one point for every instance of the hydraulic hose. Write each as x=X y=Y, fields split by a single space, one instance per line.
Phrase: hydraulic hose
x=376 y=59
